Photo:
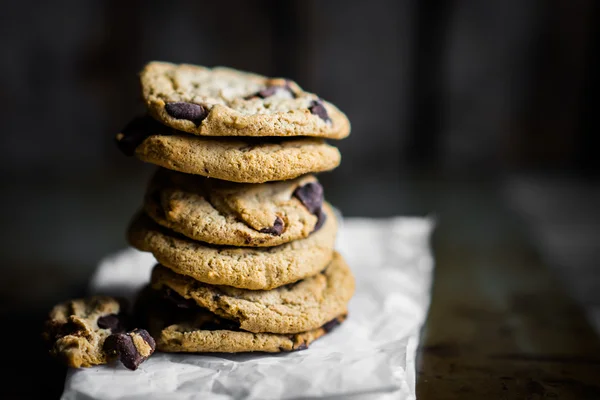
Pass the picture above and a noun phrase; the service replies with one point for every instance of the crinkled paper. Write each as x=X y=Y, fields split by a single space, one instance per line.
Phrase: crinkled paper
x=370 y=356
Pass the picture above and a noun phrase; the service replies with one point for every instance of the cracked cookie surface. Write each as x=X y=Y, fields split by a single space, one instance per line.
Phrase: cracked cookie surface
x=235 y=214
x=226 y=102
x=298 y=307
x=242 y=267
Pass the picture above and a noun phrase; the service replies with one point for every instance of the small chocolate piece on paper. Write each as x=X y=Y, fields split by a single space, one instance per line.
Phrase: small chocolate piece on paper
x=133 y=348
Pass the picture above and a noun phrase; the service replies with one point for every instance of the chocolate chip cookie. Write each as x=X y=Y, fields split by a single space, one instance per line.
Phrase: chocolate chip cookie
x=92 y=331
x=232 y=159
x=235 y=214
x=180 y=325
x=241 y=267
x=293 y=308
x=225 y=102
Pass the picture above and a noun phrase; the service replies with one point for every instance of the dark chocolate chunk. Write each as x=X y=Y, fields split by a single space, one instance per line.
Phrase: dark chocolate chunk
x=276 y=229
x=317 y=108
x=321 y=218
x=190 y=111
x=111 y=322
x=328 y=327
x=147 y=338
x=122 y=344
x=270 y=91
x=311 y=195
x=136 y=132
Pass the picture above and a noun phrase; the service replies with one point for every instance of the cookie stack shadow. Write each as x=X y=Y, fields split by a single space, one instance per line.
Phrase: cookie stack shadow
x=234 y=215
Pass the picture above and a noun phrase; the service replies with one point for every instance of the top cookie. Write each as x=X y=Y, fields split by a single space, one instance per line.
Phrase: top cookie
x=225 y=102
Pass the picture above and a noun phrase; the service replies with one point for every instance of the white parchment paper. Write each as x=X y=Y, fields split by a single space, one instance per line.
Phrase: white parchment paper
x=370 y=356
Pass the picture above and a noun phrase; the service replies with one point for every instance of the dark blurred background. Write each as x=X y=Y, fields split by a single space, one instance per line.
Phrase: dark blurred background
x=455 y=106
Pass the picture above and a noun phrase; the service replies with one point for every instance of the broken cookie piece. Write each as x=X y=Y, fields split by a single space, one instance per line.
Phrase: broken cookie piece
x=132 y=348
x=78 y=329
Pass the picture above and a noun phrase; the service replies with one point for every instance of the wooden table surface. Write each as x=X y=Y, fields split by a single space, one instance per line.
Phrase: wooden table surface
x=500 y=325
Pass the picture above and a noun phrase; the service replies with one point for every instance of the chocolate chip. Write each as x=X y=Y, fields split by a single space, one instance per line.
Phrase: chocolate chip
x=270 y=91
x=190 y=111
x=111 y=322
x=136 y=132
x=123 y=345
x=311 y=195
x=276 y=229
x=328 y=327
x=147 y=338
x=321 y=218
x=216 y=297
x=317 y=108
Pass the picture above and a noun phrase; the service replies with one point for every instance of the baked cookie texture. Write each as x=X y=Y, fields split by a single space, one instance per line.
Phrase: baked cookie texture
x=234 y=214
x=244 y=160
x=180 y=325
x=77 y=332
x=260 y=268
x=92 y=331
x=293 y=308
x=193 y=336
x=226 y=102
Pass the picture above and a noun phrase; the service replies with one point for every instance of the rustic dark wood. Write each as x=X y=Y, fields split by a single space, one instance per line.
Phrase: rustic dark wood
x=500 y=325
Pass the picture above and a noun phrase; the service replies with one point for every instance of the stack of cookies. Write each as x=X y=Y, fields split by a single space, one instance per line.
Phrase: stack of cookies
x=234 y=216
